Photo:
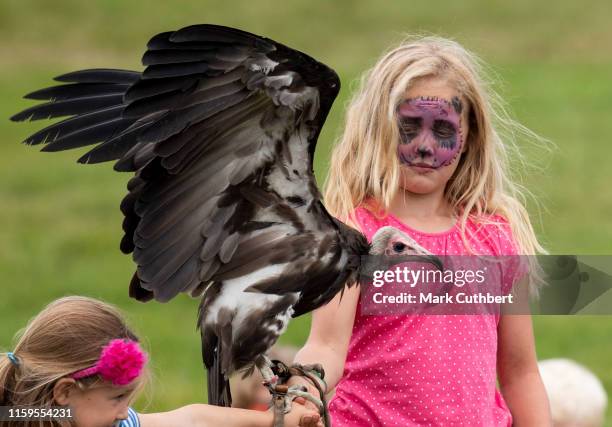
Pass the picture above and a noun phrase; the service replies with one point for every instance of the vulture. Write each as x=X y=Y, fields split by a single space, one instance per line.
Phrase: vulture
x=219 y=132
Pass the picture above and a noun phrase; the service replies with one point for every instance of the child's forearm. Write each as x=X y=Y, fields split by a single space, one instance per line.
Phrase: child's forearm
x=201 y=415
x=526 y=397
x=209 y=415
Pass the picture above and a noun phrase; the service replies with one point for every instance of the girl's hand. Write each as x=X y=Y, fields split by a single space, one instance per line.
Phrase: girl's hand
x=300 y=416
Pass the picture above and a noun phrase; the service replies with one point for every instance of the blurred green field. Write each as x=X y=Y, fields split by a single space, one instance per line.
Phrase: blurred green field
x=61 y=223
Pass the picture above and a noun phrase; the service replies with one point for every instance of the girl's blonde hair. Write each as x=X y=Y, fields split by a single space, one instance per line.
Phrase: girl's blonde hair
x=364 y=165
x=66 y=336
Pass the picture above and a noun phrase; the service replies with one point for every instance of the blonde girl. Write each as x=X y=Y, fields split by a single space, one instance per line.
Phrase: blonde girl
x=79 y=353
x=422 y=151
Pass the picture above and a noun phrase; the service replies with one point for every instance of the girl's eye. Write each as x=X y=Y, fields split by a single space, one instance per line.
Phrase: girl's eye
x=410 y=126
x=443 y=129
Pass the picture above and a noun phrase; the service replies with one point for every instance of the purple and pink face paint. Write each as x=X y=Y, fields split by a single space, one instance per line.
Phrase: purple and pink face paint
x=430 y=130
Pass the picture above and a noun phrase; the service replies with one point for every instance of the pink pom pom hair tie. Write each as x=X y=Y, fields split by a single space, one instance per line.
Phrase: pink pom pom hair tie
x=120 y=362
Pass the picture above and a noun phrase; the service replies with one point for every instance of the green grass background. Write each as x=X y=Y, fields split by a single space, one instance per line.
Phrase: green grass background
x=60 y=222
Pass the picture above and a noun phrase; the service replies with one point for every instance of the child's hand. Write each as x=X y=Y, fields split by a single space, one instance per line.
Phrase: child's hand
x=300 y=416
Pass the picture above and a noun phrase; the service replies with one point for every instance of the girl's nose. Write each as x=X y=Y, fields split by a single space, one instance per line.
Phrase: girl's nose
x=424 y=150
x=425 y=145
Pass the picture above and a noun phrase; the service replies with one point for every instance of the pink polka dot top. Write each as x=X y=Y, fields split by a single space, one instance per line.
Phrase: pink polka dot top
x=420 y=370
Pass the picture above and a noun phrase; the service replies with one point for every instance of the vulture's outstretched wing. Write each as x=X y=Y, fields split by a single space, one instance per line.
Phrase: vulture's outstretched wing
x=221 y=124
x=220 y=129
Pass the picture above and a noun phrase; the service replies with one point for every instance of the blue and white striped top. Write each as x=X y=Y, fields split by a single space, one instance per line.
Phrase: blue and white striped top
x=131 y=421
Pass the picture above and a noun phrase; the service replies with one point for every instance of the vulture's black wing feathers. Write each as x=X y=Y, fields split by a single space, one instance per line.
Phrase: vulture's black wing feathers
x=220 y=130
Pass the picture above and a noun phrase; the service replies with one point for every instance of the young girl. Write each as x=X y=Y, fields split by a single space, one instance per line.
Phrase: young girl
x=420 y=152
x=78 y=352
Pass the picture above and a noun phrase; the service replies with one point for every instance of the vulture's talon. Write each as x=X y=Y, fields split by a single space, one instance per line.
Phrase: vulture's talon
x=297 y=391
x=288 y=404
x=272 y=382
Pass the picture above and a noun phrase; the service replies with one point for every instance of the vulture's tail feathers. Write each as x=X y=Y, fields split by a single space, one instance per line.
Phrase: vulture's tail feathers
x=218 y=386
x=216 y=344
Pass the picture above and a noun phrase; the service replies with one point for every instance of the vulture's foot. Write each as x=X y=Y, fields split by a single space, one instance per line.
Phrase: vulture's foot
x=276 y=374
x=270 y=379
x=282 y=400
x=301 y=391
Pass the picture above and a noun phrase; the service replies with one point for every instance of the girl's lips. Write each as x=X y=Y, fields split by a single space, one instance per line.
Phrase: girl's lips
x=421 y=167
x=418 y=167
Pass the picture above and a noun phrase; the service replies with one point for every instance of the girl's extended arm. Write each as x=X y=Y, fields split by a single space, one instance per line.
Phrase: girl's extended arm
x=200 y=415
x=518 y=373
x=329 y=337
